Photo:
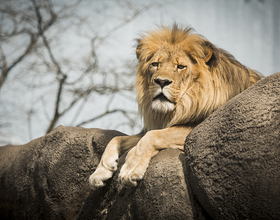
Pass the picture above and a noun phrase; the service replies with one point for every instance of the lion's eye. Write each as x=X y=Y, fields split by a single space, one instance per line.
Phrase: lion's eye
x=155 y=64
x=181 y=67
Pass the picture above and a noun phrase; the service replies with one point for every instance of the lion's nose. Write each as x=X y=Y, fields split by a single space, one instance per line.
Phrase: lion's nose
x=162 y=82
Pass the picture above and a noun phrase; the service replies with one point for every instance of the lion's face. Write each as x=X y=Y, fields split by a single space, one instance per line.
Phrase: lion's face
x=168 y=71
x=182 y=77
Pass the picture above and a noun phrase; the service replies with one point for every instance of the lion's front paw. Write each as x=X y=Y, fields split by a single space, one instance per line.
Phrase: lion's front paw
x=130 y=176
x=110 y=162
x=134 y=169
x=101 y=174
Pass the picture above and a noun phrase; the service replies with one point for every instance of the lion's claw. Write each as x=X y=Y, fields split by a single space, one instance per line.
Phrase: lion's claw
x=126 y=178
x=101 y=174
x=111 y=165
x=133 y=170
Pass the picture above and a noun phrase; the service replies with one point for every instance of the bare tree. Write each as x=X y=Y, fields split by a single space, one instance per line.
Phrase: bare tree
x=31 y=35
x=14 y=17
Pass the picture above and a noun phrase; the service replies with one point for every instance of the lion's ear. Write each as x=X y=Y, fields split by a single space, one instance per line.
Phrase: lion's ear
x=211 y=54
x=138 y=49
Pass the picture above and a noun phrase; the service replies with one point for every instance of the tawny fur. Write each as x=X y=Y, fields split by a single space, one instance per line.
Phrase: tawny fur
x=181 y=79
x=212 y=77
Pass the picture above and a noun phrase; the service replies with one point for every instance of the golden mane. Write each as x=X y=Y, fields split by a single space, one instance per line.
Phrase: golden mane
x=181 y=79
x=214 y=77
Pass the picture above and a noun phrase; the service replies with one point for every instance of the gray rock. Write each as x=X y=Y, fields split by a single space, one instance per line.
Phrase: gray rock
x=233 y=157
x=48 y=177
x=162 y=194
x=230 y=170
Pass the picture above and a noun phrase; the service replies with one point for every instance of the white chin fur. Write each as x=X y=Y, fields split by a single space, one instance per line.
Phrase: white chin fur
x=162 y=106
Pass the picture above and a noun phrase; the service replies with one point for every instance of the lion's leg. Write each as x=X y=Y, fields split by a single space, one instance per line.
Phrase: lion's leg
x=138 y=158
x=108 y=163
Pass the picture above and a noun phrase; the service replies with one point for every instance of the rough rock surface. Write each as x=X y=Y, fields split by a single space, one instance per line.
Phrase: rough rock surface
x=233 y=157
x=162 y=194
x=48 y=177
x=231 y=168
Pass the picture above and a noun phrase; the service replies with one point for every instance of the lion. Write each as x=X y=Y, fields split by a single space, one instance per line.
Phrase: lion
x=181 y=79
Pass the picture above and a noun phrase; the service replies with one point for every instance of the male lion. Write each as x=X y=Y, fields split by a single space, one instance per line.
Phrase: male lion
x=181 y=79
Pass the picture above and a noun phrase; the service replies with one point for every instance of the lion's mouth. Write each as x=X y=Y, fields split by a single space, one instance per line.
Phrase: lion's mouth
x=162 y=104
x=161 y=97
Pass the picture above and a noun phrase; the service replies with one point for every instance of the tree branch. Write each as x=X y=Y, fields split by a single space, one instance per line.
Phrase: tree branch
x=33 y=40
x=56 y=112
x=101 y=116
x=119 y=26
x=5 y=71
x=61 y=76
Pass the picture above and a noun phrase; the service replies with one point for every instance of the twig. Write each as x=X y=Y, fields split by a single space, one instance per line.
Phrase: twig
x=100 y=116
x=56 y=112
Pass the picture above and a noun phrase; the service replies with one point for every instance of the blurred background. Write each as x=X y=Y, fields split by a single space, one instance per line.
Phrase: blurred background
x=72 y=62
